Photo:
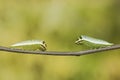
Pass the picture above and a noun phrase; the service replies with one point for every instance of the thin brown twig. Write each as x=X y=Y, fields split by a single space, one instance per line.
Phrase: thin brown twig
x=56 y=53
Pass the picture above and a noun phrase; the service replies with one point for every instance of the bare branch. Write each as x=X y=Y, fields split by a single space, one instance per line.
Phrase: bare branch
x=56 y=53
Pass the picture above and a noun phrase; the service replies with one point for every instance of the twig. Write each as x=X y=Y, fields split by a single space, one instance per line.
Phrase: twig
x=55 y=53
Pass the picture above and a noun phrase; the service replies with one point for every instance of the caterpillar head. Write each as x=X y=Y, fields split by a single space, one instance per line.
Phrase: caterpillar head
x=79 y=40
x=43 y=45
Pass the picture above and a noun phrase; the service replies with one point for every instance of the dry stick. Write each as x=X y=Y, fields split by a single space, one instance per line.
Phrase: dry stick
x=55 y=53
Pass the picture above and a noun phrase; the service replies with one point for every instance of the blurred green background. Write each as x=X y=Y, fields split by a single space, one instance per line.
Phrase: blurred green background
x=59 y=23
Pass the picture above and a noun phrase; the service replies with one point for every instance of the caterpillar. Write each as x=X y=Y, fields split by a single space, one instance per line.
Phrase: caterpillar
x=92 y=42
x=31 y=45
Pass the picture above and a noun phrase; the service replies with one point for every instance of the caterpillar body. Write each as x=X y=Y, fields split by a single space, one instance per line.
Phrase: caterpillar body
x=30 y=45
x=92 y=42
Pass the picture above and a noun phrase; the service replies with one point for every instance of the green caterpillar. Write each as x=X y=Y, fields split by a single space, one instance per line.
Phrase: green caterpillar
x=92 y=42
x=30 y=45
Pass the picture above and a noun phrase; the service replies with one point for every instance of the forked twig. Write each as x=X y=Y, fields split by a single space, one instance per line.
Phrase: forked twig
x=56 y=53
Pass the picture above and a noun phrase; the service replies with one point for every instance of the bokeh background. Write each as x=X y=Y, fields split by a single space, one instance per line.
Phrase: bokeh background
x=59 y=23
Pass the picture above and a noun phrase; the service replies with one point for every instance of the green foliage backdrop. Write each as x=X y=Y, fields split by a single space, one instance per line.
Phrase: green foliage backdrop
x=59 y=23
